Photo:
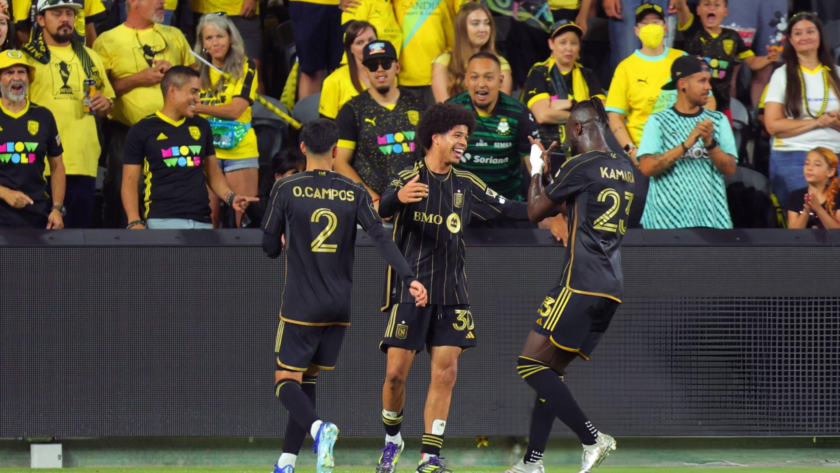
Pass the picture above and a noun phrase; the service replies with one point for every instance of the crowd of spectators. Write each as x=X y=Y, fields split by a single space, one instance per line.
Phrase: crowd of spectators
x=80 y=78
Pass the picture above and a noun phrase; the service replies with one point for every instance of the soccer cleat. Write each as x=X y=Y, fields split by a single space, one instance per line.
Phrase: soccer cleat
x=522 y=467
x=593 y=455
x=433 y=465
x=389 y=458
x=323 y=448
x=285 y=469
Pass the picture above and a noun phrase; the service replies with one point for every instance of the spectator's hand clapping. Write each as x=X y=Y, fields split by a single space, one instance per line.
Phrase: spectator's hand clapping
x=16 y=199
x=413 y=191
x=613 y=8
x=249 y=7
x=705 y=128
x=827 y=119
x=345 y=5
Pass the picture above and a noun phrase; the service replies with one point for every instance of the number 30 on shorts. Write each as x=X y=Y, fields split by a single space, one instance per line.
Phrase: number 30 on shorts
x=465 y=321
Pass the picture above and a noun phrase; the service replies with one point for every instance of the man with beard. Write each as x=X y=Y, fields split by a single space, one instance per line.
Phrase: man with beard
x=376 y=128
x=431 y=203
x=28 y=133
x=175 y=149
x=136 y=54
x=61 y=64
x=596 y=186
x=500 y=143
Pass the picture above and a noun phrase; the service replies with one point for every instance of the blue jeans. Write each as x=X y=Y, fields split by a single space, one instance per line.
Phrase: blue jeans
x=786 y=173
x=176 y=224
x=623 y=40
x=230 y=165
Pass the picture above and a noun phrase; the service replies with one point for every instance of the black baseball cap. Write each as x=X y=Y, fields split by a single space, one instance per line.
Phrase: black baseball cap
x=685 y=66
x=647 y=8
x=378 y=50
x=564 y=25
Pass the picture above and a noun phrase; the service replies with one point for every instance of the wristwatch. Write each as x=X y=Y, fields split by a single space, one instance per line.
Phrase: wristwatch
x=713 y=145
x=61 y=209
x=628 y=147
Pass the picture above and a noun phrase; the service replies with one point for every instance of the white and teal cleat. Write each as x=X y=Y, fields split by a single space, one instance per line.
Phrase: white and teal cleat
x=593 y=455
x=323 y=448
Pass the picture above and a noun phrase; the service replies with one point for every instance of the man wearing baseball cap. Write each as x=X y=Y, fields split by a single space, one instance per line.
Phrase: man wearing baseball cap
x=28 y=133
x=376 y=128
x=61 y=65
x=686 y=151
x=623 y=17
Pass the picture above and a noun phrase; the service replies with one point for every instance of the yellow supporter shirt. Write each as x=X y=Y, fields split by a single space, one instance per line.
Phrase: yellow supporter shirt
x=337 y=90
x=444 y=59
x=428 y=30
x=58 y=87
x=21 y=8
x=245 y=88
x=122 y=53
x=564 y=4
x=170 y=4
x=379 y=13
x=636 y=89
x=229 y=7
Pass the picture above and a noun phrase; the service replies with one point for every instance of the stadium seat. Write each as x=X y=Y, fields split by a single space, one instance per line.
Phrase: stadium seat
x=307 y=109
x=832 y=37
x=748 y=195
x=271 y=130
x=740 y=124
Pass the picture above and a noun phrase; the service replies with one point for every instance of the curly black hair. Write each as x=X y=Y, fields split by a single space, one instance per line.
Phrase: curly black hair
x=440 y=118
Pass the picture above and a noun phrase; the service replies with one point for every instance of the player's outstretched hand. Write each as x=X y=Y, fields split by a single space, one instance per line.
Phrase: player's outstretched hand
x=546 y=156
x=413 y=191
x=419 y=292
x=241 y=202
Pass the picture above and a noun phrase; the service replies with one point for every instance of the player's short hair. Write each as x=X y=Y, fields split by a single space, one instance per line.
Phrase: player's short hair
x=597 y=106
x=177 y=76
x=486 y=55
x=319 y=136
x=440 y=118
x=287 y=160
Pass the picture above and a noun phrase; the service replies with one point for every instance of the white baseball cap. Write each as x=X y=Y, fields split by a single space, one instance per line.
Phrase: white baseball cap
x=50 y=4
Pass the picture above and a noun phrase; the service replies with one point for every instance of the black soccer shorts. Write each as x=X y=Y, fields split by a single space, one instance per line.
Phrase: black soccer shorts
x=298 y=346
x=575 y=322
x=414 y=328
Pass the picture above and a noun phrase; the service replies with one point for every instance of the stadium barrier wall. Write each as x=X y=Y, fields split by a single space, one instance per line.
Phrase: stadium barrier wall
x=167 y=333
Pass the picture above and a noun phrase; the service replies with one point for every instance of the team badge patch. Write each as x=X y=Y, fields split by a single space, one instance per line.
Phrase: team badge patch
x=32 y=126
x=14 y=54
x=195 y=132
x=458 y=199
x=728 y=46
x=492 y=193
x=453 y=223
x=402 y=331
x=413 y=117
x=504 y=127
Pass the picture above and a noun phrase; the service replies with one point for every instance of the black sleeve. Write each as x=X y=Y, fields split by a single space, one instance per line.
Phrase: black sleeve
x=488 y=205
x=595 y=87
x=569 y=181
x=348 y=131
x=249 y=83
x=273 y=224
x=536 y=87
x=372 y=225
x=54 y=148
x=272 y=245
x=527 y=127
x=389 y=201
x=796 y=200
x=135 y=145
x=101 y=16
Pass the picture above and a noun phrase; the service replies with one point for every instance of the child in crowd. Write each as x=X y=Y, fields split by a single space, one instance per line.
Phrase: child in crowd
x=720 y=47
x=818 y=205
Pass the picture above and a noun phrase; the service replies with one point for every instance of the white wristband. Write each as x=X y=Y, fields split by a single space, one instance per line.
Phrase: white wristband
x=537 y=163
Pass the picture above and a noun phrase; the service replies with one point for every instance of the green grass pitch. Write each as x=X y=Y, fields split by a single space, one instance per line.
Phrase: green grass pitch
x=558 y=469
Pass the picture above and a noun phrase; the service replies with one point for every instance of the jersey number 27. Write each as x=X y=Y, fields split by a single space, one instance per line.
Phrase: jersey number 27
x=604 y=221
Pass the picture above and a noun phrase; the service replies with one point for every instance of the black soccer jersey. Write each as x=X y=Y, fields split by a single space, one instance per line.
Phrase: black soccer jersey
x=383 y=139
x=26 y=138
x=430 y=233
x=317 y=211
x=721 y=53
x=598 y=190
x=173 y=156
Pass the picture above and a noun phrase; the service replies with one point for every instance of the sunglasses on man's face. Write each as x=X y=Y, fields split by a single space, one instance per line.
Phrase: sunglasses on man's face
x=386 y=64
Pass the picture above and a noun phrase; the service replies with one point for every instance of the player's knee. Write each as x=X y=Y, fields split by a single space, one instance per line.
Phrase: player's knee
x=445 y=375
x=395 y=377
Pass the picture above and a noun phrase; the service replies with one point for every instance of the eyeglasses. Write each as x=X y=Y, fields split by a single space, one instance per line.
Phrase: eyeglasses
x=149 y=52
x=386 y=64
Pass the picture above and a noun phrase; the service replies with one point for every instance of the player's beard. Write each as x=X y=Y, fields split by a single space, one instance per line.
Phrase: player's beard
x=60 y=37
x=383 y=89
x=7 y=92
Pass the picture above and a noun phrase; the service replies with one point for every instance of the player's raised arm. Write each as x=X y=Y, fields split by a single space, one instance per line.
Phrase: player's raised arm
x=372 y=225
x=539 y=205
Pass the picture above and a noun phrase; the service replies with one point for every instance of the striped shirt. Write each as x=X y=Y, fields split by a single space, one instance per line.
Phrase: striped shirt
x=691 y=193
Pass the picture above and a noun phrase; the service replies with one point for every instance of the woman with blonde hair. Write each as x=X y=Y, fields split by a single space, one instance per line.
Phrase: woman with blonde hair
x=475 y=32
x=226 y=103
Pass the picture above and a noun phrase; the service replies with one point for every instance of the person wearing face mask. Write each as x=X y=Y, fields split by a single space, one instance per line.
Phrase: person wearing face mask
x=500 y=142
x=475 y=32
x=24 y=200
x=636 y=88
x=686 y=151
x=174 y=148
x=801 y=107
x=350 y=79
x=227 y=103
x=621 y=14
x=377 y=127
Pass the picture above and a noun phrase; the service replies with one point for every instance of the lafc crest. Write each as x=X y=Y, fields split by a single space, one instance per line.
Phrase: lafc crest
x=32 y=126
x=413 y=117
x=195 y=132
x=458 y=199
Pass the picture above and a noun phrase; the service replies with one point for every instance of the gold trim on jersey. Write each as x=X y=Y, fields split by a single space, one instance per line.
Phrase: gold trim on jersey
x=570 y=350
x=311 y=324
x=281 y=182
x=448 y=173
x=557 y=310
x=323 y=368
x=287 y=367
x=528 y=370
x=279 y=340
x=147 y=194
x=472 y=177
x=389 y=329
x=390 y=270
x=572 y=262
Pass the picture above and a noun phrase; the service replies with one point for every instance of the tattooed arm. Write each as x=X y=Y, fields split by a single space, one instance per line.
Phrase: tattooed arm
x=653 y=164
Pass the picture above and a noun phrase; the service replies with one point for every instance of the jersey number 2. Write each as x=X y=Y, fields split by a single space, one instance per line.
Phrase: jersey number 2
x=603 y=222
x=318 y=244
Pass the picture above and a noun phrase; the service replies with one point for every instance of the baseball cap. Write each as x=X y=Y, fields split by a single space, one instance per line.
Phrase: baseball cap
x=13 y=57
x=379 y=49
x=685 y=66
x=565 y=25
x=647 y=8
x=44 y=5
